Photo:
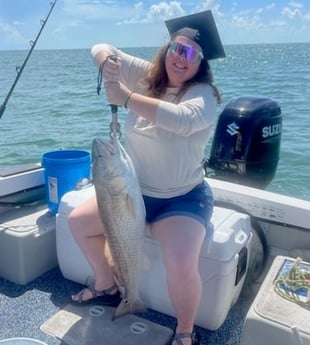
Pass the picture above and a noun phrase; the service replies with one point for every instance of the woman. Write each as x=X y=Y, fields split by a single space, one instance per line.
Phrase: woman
x=171 y=110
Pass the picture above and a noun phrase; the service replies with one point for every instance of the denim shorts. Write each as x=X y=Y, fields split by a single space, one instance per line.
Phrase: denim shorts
x=197 y=203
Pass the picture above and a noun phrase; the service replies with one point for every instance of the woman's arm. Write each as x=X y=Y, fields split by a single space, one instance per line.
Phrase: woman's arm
x=118 y=93
x=196 y=111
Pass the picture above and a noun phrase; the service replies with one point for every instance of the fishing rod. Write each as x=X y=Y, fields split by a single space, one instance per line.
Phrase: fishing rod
x=20 y=69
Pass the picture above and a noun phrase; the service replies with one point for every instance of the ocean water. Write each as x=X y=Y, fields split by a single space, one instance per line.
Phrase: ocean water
x=55 y=104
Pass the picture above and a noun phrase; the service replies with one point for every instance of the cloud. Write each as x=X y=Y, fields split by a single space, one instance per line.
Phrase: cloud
x=90 y=9
x=165 y=10
x=155 y=13
x=84 y=14
x=123 y=22
x=9 y=33
x=159 y=12
x=213 y=5
x=244 y=21
x=293 y=10
x=270 y=6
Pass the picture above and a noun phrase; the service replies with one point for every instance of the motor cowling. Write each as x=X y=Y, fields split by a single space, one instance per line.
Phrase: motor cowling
x=246 y=143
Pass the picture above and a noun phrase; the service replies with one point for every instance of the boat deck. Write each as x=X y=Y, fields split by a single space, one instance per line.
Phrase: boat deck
x=24 y=308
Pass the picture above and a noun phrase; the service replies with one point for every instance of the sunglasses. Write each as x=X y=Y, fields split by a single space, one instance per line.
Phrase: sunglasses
x=191 y=54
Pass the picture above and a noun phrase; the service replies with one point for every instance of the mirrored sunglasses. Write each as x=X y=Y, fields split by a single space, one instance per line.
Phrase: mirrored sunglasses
x=191 y=54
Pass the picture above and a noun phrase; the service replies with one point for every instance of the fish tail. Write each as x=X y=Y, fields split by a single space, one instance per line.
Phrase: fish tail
x=126 y=307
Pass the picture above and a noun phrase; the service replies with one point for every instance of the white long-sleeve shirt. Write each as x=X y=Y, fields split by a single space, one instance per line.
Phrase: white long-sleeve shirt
x=166 y=154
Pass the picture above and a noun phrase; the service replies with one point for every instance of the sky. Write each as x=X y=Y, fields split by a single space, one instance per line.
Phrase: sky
x=78 y=24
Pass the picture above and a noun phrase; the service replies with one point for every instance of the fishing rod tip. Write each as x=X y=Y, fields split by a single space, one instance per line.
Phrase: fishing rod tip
x=2 y=109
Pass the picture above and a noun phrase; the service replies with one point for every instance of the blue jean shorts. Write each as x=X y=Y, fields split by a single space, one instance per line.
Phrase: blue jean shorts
x=197 y=203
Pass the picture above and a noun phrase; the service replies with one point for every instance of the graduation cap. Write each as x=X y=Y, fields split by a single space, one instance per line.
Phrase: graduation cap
x=201 y=28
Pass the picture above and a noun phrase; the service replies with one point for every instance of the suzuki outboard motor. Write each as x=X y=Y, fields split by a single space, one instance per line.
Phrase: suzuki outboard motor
x=246 y=144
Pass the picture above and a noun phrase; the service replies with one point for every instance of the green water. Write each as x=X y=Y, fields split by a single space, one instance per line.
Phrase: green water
x=55 y=104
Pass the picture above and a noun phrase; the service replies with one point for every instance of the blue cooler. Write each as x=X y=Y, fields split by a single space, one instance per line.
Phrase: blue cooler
x=64 y=169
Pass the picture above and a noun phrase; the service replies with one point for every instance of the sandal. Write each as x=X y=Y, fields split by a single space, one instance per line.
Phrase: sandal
x=99 y=297
x=179 y=336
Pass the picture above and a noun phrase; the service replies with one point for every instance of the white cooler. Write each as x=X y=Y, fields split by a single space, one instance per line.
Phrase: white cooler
x=27 y=244
x=223 y=262
x=273 y=319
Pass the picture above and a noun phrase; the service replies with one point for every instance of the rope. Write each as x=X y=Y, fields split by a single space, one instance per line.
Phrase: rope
x=290 y=285
x=115 y=127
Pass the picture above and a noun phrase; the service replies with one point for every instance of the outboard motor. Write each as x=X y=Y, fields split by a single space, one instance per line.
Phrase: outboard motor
x=246 y=142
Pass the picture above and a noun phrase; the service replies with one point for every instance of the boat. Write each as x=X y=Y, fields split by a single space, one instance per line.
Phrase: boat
x=35 y=285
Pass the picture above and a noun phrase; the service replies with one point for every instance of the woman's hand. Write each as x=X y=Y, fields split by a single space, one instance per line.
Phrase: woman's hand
x=116 y=92
x=111 y=68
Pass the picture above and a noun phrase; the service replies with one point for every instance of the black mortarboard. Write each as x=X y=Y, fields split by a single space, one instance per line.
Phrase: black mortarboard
x=207 y=36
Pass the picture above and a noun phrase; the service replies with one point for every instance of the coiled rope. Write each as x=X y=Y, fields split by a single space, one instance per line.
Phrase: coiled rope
x=294 y=286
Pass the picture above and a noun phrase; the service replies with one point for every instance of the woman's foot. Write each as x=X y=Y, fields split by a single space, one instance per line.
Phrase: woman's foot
x=186 y=338
x=183 y=339
x=90 y=295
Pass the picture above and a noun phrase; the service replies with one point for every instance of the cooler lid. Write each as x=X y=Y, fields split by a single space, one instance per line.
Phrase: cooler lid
x=229 y=233
x=21 y=222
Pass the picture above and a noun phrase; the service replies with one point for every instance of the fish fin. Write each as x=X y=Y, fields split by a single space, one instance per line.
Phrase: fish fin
x=125 y=307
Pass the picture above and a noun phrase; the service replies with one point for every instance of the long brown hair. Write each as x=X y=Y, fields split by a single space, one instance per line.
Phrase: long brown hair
x=156 y=80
